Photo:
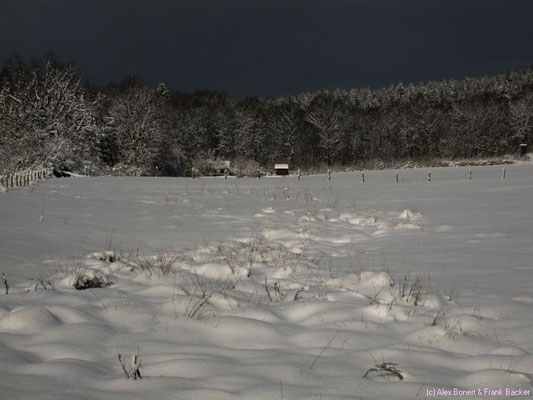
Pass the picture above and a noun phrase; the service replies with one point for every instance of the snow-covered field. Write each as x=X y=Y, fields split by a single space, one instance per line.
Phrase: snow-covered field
x=270 y=289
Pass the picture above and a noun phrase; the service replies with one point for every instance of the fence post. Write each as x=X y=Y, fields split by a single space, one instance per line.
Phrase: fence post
x=22 y=178
x=470 y=174
x=362 y=177
x=329 y=175
x=396 y=176
x=429 y=176
x=503 y=174
x=299 y=174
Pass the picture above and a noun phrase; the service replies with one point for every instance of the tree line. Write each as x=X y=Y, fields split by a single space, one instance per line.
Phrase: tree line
x=50 y=118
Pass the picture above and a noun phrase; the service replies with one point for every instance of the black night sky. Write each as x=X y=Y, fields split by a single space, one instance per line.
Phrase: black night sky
x=273 y=47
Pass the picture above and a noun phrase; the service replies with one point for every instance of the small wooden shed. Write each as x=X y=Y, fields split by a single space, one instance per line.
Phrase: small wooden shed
x=522 y=149
x=281 y=169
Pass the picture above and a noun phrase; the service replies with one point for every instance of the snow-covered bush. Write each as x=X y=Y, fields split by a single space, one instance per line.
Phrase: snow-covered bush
x=244 y=167
x=90 y=279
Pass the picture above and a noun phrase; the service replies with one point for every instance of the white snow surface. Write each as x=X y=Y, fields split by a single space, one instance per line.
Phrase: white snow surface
x=271 y=288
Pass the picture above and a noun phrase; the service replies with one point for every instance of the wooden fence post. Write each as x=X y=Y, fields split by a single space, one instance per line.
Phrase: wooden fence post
x=22 y=178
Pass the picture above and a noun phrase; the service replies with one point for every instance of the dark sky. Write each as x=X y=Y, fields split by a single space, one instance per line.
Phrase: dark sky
x=272 y=47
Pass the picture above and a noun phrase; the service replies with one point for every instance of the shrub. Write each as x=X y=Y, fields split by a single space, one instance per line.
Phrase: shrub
x=242 y=167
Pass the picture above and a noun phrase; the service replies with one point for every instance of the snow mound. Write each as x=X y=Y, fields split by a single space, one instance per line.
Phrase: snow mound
x=495 y=379
x=410 y=214
x=28 y=320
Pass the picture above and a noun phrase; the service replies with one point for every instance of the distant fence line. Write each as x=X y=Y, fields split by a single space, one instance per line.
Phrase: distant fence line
x=29 y=177
x=363 y=180
x=22 y=178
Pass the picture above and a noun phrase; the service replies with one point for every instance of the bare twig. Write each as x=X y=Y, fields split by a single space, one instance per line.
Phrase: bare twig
x=267 y=290
x=135 y=366
x=374 y=299
x=5 y=282
x=277 y=290
x=385 y=366
x=297 y=295
x=323 y=350
x=123 y=366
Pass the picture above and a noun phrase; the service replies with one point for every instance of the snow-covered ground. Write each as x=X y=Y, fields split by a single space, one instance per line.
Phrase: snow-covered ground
x=267 y=289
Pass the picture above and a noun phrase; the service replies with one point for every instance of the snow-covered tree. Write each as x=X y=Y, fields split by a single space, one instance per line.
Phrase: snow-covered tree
x=135 y=124
x=44 y=117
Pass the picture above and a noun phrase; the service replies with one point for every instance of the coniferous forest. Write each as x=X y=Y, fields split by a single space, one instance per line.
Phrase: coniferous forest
x=50 y=117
